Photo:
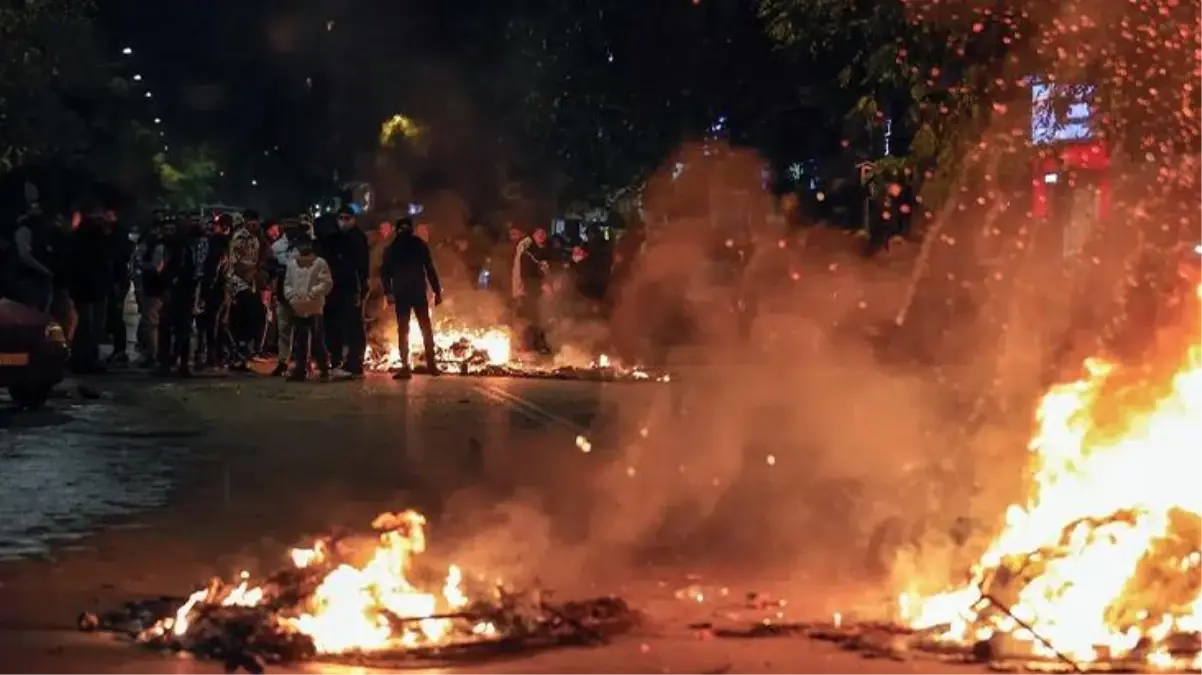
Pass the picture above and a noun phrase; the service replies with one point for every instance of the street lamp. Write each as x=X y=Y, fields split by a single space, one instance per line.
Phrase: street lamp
x=254 y=183
x=137 y=77
x=158 y=120
x=128 y=51
x=149 y=95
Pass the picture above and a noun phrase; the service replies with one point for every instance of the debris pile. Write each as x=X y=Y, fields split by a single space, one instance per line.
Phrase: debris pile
x=326 y=606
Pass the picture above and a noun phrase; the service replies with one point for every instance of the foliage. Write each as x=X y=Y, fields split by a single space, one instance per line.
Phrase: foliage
x=60 y=101
x=189 y=178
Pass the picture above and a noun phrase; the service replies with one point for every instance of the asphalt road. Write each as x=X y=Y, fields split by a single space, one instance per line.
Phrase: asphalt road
x=216 y=475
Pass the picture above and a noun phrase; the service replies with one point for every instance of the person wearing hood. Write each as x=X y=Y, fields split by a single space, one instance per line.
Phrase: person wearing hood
x=284 y=251
x=348 y=254
x=307 y=284
x=409 y=276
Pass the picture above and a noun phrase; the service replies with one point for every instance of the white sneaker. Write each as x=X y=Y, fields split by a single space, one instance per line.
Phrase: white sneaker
x=340 y=374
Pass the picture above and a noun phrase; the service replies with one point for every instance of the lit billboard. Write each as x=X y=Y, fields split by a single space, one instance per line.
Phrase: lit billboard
x=1060 y=113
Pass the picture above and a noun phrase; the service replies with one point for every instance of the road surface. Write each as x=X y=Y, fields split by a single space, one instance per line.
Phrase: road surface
x=210 y=476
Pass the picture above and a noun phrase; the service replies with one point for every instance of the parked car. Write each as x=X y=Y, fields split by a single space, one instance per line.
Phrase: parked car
x=33 y=353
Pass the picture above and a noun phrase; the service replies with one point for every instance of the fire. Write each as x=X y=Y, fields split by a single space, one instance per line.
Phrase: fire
x=1103 y=560
x=453 y=343
x=370 y=607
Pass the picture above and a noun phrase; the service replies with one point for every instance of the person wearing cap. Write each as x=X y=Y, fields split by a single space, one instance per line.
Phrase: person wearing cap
x=407 y=269
x=348 y=254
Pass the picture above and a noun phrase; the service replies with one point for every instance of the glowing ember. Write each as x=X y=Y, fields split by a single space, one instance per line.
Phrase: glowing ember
x=1103 y=561
x=370 y=607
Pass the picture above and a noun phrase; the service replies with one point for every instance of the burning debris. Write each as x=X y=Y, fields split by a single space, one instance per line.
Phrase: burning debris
x=326 y=606
x=489 y=353
x=1103 y=564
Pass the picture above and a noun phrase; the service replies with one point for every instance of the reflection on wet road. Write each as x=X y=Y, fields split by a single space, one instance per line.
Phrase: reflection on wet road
x=75 y=466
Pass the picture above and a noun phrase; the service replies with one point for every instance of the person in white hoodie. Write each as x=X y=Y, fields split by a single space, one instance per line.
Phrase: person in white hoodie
x=307 y=282
x=283 y=251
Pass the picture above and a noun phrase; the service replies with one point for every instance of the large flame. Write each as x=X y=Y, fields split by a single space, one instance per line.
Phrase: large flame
x=357 y=608
x=1103 y=560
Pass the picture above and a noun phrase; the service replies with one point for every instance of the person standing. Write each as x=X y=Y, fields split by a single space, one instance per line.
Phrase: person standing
x=213 y=258
x=35 y=274
x=347 y=252
x=283 y=251
x=92 y=268
x=122 y=257
x=307 y=283
x=530 y=282
x=61 y=307
x=152 y=263
x=244 y=282
x=182 y=273
x=406 y=270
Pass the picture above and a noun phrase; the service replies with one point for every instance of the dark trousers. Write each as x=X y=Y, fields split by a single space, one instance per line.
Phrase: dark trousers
x=345 y=332
x=309 y=336
x=115 y=318
x=247 y=315
x=210 y=325
x=422 y=312
x=89 y=332
x=175 y=330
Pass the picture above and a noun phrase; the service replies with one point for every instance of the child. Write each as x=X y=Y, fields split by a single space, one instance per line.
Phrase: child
x=307 y=282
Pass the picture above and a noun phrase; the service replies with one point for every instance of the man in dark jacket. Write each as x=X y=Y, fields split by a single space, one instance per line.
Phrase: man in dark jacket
x=182 y=272
x=405 y=272
x=122 y=257
x=213 y=257
x=92 y=280
x=348 y=254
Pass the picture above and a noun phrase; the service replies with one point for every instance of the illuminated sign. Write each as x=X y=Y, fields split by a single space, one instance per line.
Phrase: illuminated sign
x=1060 y=113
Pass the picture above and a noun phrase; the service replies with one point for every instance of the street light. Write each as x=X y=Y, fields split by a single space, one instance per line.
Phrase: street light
x=149 y=95
x=254 y=183
x=158 y=120
x=127 y=51
x=137 y=77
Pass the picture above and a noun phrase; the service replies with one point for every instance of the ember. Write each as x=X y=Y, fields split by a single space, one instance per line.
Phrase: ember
x=1102 y=564
x=324 y=605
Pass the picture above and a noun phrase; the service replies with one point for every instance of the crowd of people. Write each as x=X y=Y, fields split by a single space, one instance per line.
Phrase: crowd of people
x=215 y=293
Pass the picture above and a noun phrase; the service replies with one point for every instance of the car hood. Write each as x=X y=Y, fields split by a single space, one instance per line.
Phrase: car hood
x=16 y=315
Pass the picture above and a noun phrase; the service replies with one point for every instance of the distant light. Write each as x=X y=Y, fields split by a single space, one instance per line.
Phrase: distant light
x=127 y=51
x=158 y=120
x=220 y=173
x=330 y=25
x=254 y=183
x=149 y=95
x=1051 y=178
x=1198 y=249
x=609 y=58
x=166 y=147
x=137 y=77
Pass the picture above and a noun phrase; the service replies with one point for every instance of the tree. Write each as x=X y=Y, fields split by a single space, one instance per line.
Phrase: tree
x=189 y=178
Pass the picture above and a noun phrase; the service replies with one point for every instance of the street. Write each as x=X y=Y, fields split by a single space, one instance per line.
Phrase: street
x=256 y=464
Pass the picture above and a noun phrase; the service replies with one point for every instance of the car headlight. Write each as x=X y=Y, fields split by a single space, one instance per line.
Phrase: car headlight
x=55 y=333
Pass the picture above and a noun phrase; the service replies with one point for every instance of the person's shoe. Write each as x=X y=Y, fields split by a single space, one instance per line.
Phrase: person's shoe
x=146 y=363
x=280 y=369
x=119 y=359
x=433 y=371
x=323 y=376
x=295 y=377
x=340 y=374
x=184 y=373
x=162 y=371
x=239 y=368
x=403 y=374
x=355 y=374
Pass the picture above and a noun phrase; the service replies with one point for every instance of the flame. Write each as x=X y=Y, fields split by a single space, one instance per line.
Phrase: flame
x=454 y=343
x=1103 y=560
x=356 y=608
